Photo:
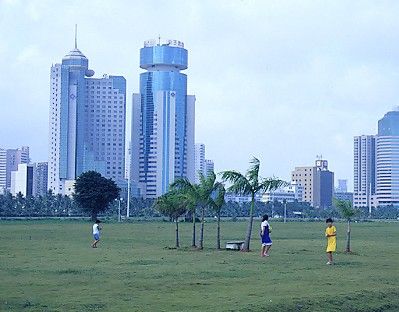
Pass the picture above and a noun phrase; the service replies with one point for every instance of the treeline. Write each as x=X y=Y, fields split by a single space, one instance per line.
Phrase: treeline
x=52 y=205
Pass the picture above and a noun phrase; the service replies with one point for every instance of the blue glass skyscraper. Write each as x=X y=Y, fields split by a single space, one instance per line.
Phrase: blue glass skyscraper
x=86 y=124
x=163 y=119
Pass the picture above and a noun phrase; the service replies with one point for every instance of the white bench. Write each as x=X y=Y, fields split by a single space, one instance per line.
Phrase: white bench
x=235 y=245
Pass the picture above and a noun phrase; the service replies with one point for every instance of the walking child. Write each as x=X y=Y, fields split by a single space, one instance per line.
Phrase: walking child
x=331 y=234
x=265 y=230
x=96 y=233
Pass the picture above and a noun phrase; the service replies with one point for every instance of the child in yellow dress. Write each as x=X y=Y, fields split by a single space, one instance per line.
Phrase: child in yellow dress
x=331 y=234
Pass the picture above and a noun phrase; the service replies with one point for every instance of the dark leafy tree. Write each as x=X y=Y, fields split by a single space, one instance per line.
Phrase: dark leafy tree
x=93 y=193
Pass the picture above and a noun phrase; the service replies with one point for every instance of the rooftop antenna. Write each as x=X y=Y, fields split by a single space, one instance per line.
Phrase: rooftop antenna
x=76 y=36
x=159 y=39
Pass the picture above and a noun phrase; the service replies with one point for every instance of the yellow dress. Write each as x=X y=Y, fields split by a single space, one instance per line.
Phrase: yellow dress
x=332 y=240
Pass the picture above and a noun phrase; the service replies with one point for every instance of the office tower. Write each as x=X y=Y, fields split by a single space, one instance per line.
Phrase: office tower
x=199 y=161
x=323 y=185
x=387 y=159
x=86 y=122
x=316 y=183
x=209 y=167
x=22 y=180
x=9 y=161
x=364 y=170
x=40 y=179
x=304 y=176
x=162 y=120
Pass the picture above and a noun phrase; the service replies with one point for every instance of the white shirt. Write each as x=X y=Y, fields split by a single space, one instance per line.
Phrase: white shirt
x=263 y=224
x=95 y=229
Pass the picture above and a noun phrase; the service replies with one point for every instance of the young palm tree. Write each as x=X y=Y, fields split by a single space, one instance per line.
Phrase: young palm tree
x=347 y=212
x=250 y=184
x=217 y=202
x=201 y=195
x=173 y=205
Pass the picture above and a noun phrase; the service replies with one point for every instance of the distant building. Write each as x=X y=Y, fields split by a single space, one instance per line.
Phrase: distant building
x=230 y=197
x=317 y=183
x=347 y=196
x=162 y=120
x=290 y=193
x=199 y=161
x=22 y=180
x=342 y=186
x=40 y=179
x=209 y=167
x=86 y=123
x=9 y=161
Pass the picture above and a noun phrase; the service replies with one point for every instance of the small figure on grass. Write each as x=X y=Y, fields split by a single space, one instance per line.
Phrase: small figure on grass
x=265 y=230
x=96 y=233
x=331 y=234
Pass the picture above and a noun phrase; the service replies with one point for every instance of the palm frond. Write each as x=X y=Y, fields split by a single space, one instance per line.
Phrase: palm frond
x=239 y=183
x=253 y=172
x=270 y=184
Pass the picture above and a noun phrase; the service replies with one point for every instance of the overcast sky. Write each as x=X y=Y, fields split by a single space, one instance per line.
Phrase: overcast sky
x=281 y=80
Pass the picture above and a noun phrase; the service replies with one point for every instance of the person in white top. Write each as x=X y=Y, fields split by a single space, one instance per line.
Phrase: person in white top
x=265 y=230
x=96 y=233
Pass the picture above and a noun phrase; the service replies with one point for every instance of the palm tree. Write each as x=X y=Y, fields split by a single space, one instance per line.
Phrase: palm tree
x=250 y=184
x=201 y=195
x=347 y=212
x=217 y=202
x=173 y=205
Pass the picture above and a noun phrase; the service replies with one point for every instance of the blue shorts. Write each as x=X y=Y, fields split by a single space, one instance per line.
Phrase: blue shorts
x=96 y=236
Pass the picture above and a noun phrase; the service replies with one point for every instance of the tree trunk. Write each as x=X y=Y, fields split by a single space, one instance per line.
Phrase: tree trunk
x=249 y=229
x=218 y=233
x=201 y=242
x=348 y=237
x=193 y=243
x=177 y=233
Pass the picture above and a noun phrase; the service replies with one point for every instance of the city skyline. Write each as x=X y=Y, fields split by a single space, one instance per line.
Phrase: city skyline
x=311 y=80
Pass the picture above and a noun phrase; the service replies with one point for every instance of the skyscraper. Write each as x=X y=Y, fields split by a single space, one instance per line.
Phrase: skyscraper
x=40 y=179
x=209 y=167
x=199 y=161
x=86 y=122
x=387 y=159
x=162 y=119
x=9 y=161
x=22 y=180
x=363 y=170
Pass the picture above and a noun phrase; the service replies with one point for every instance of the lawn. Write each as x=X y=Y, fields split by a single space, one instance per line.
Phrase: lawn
x=49 y=266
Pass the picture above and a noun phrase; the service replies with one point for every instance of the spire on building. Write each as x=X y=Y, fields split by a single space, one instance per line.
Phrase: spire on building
x=76 y=36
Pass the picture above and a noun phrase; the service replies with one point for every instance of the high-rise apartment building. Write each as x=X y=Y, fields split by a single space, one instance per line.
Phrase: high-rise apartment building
x=199 y=161
x=209 y=167
x=9 y=161
x=317 y=184
x=86 y=122
x=364 y=170
x=162 y=120
x=40 y=179
x=387 y=159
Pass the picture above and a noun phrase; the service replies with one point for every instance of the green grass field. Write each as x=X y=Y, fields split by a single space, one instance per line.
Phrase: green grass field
x=49 y=266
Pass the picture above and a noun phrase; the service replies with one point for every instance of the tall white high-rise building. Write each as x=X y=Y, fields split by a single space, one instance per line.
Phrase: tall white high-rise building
x=9 y=161
x=209 y=167
x=363 y=170
x=199 y=161
x=86 y=123
x=162 y=148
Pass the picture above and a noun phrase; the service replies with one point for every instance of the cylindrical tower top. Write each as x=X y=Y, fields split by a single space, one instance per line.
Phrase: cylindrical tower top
x=389 y=124
x=166 y=53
